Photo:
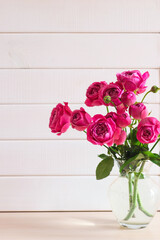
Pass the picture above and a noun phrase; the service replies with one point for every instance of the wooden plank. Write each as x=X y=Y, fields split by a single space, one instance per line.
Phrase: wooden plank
x=79 y=50
x=80 y=16
x=31 y=121
x=58 y=158
x=70 y=226
x=56 y=85
x=49 y=157
x=55 y=193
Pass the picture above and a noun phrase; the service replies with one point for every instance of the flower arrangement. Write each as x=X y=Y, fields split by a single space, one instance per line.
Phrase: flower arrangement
x=126 y=131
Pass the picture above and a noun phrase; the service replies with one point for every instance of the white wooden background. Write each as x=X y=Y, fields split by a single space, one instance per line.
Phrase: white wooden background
x=50 y=51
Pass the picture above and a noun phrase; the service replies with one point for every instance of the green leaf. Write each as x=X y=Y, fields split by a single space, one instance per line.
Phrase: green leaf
x=137 y=157
x=141 y=176
x=102 y=155
x=157 y=162
x=153 y=157
x=104 y=168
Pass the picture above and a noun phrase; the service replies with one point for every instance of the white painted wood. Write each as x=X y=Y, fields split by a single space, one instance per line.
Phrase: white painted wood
x=49 y=50
x=79 y=51
x=58 y=158
x=55 y=193
x=31 y=121
x=56 y=85
x=49 y=157
x=80 y=16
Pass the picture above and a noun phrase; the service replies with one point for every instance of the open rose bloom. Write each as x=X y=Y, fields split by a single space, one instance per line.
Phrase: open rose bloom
x=127 y=133
x=127 y=123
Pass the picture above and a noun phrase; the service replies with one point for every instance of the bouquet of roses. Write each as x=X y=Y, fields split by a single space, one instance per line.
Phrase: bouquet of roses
x=125 y=131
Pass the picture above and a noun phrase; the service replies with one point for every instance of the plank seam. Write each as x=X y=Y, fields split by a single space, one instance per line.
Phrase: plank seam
x=61 y=176
x=147 y=33
x=81 y=68
x=51 y=103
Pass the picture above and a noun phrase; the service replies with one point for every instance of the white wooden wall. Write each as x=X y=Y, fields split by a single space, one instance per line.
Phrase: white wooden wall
x=50 y=51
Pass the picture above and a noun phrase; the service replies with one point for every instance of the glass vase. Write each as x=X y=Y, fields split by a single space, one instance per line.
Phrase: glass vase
x=134 y=201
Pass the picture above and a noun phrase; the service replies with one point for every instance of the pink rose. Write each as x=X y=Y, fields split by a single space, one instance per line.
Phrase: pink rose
x=128 y=98
x=121 y=108
x=121 y=138
x=114 y=90
x=60 y=118
x=80 y=119
x=138 y=111
x=123 y=120
x=92 y=94
x=148 y=130
x=133 y=80
x=101 y=130
x=112 y=115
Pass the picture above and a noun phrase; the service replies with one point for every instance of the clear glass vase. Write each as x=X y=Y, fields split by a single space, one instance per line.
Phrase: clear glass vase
x=134 y=203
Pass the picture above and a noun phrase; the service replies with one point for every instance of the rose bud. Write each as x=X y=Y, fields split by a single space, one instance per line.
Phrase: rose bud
x=80 y=119
x=138 y=111
x=121 y=108
x=60 y=118
x=112 y=90
x=148 y=130
x=121 y=138
x=101 y=130
x=128 y=98
x=123 y=120
x=154 y=89
x=107 y=99
x=92 y=94
x=133 y=80
x=112 y=115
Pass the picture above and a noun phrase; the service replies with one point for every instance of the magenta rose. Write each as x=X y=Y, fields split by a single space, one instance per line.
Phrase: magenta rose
x=133 y=80
x=148 y=130
x=138 y=111
x=60 y=118
x=112 y=115
x=123 y=120
x=80 y=119
x=121 y=108
x=92 y=94
x=114 y=90
x=120 y=139
x=128 y=98
x=101 y=130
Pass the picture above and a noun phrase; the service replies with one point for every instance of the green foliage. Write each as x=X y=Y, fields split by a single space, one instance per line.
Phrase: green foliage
x=129 y=156
x=104 y=167
x=153 y=157
x=102 y=156
x=131 y=163
x=141 y=176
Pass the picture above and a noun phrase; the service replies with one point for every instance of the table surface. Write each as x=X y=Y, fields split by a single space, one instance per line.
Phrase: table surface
x=71 y=225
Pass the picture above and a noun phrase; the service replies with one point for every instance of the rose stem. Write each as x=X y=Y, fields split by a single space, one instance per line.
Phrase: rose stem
x=112 y=149
x=155 y=145
x=145 y=96
x=141 y=207
x=108 y=147
x=107 y=109
x=134 y=204
x=130 y=188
